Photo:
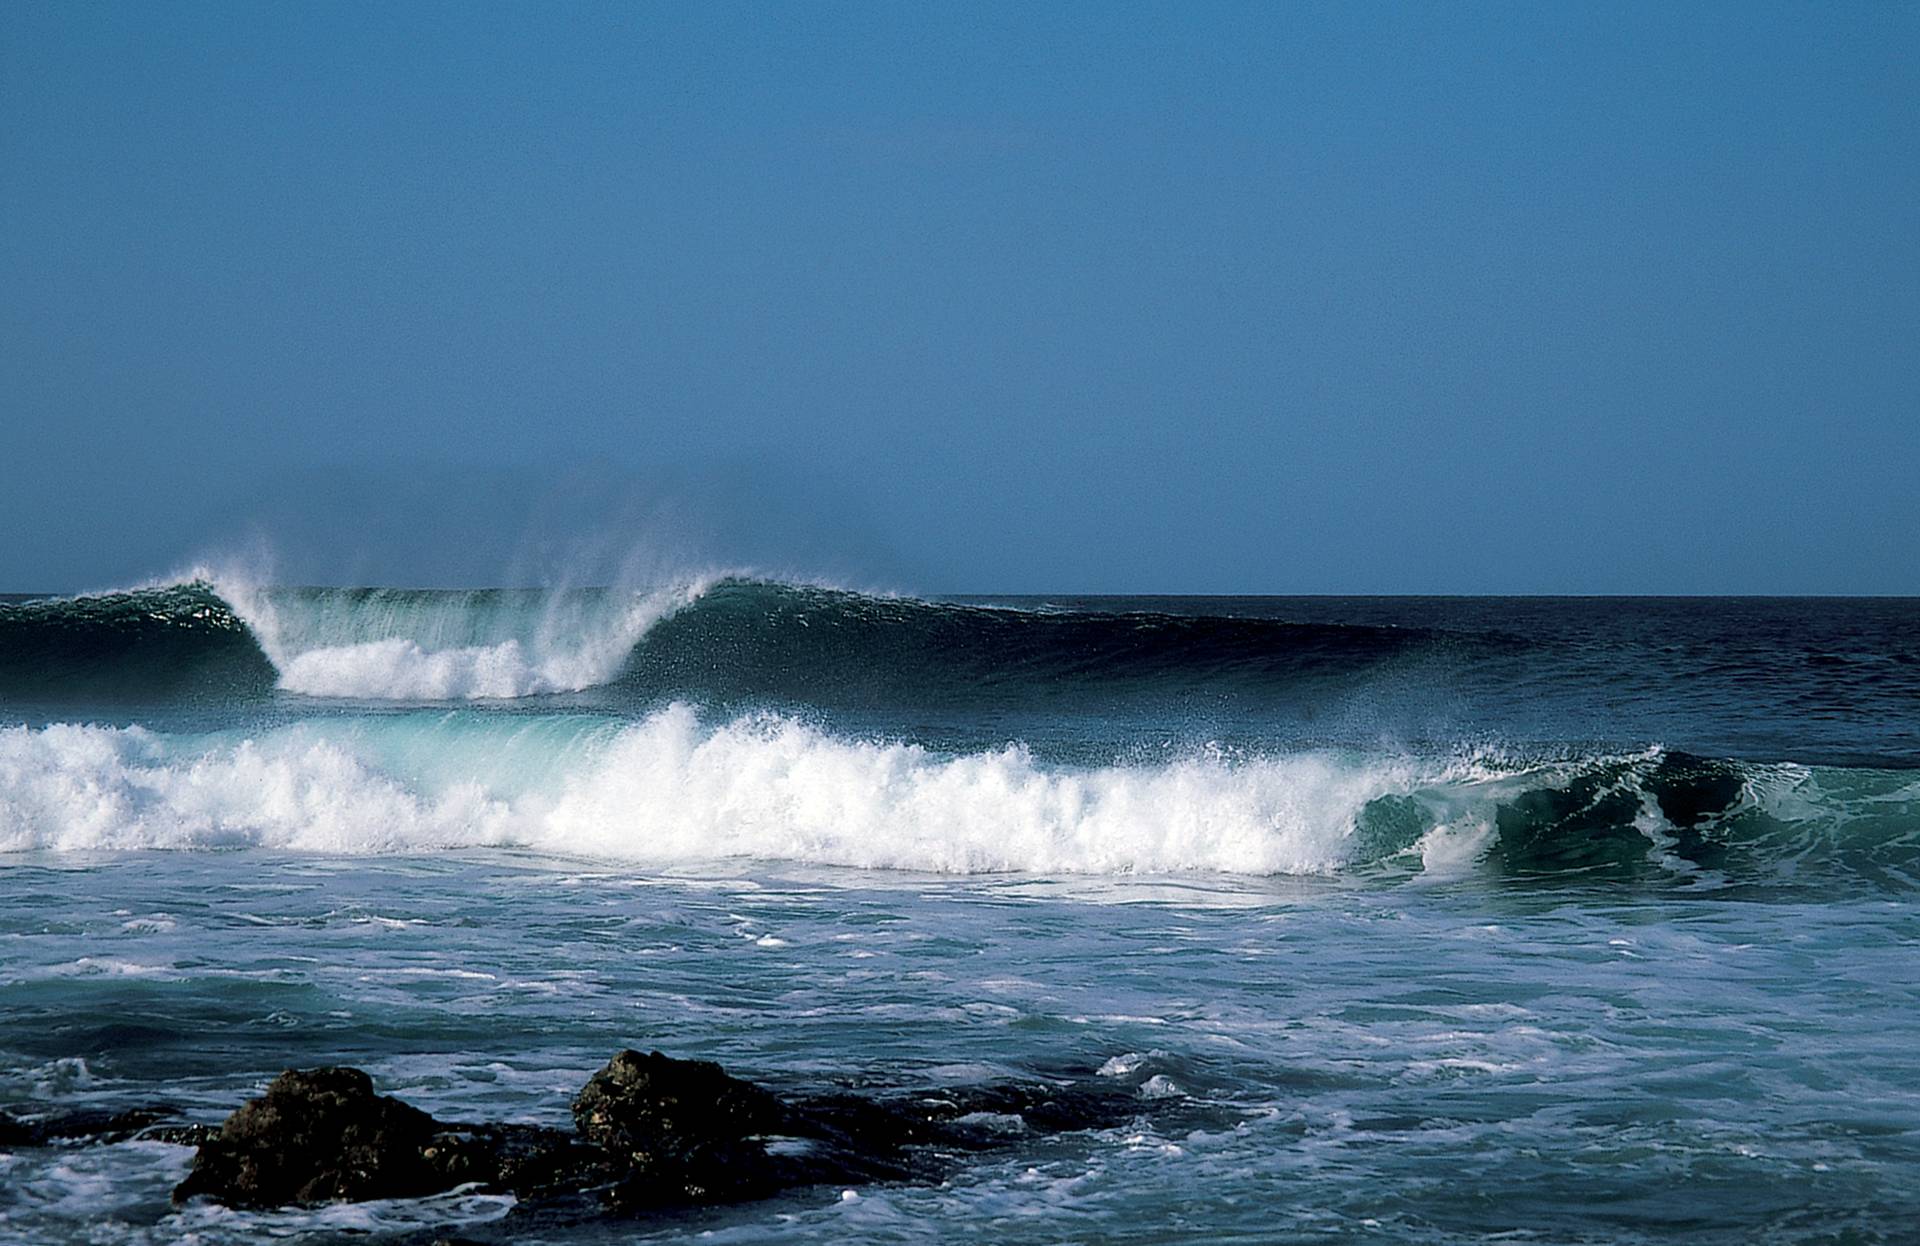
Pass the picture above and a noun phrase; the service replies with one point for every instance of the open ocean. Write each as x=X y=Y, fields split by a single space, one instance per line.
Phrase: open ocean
x=1427 y=920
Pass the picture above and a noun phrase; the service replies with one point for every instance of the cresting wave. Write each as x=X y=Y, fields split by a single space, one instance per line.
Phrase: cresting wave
x=706 y=636
x=395 y=644
x=672 y=788
x=219 y=635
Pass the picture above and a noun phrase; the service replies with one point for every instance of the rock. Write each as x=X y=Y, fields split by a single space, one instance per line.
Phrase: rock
x=641 y=1104
x=152 y=1124
x=528 y=1160
x=180 y=1135
x=94 y=1125
x=653 y=1133
x=15 y=1132
x=322 y=1135
x=684 y=1131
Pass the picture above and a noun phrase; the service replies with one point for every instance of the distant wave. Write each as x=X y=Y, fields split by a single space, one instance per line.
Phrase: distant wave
x=709 y=637
x=391 y=644
x=676 y=788
x=220 y=636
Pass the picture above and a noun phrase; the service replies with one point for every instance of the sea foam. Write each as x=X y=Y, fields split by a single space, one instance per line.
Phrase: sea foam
x=671 y=788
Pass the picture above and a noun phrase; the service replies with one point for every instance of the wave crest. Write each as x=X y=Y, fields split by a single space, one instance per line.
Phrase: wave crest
x=671 y=789
x=708 y=638
x=387 y=644
x=674 y=789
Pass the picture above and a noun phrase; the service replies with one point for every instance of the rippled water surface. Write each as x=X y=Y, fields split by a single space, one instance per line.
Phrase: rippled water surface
x=1380 y=1059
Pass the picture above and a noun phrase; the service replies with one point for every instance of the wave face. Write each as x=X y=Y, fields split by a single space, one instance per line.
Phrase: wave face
x=720 y=639
x=179 y=640
x=1821 y=682
x=673 y=788
x=1831 y=683
x=372 y=644
x=828 y=646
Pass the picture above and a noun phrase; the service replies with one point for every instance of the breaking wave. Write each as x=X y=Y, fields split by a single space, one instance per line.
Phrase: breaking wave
x=711 y=637
x=674 y=788
x=386 y=644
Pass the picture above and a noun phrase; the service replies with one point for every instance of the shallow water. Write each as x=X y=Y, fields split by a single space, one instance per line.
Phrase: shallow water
x=1374 y=1061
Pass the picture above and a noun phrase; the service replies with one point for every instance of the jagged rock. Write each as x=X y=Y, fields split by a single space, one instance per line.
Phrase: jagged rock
x=684 y=1131
x=322 y=1135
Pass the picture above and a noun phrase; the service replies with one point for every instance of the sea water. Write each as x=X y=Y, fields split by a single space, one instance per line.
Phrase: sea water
x=1427 y=920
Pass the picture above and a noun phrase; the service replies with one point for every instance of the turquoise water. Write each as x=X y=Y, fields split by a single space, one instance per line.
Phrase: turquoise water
x=1428 y=921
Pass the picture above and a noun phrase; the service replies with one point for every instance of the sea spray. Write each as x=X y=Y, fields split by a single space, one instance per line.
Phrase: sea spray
x=672 y=789
x=384 y=644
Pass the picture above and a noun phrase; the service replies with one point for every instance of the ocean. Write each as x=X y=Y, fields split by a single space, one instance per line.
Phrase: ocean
x=1428 y=920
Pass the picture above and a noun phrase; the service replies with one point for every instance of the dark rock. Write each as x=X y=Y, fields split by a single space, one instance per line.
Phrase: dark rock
x=684 y=1131
x=318 y=1136
x=641 y=1104
x=97 y=1126
x=914 y=1136
x=528 y=1160
x=15 y=1132
x=180 y=1135
x=156 y=1124
x=654 y=1134
x=711 y=1172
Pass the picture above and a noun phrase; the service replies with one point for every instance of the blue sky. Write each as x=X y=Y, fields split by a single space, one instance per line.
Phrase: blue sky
x=1186 y=297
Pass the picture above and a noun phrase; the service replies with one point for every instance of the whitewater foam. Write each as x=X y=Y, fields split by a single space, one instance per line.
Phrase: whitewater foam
x=672 y=789
x=769 y=786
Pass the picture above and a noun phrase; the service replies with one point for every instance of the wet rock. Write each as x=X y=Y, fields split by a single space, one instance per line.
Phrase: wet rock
x=527 y=1160
x=15 y=1132
x=685 y=1132
x=322 y=1135
x=152 y=1124
x=652 y=1133
x=911 y=1135
x=180 y=1135
x=90 y=1125
x=639 y=1104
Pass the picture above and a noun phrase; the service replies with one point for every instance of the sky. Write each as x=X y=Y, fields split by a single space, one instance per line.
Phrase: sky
x=1117 y=297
